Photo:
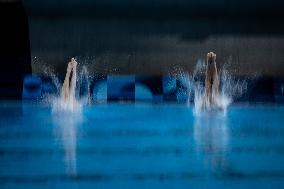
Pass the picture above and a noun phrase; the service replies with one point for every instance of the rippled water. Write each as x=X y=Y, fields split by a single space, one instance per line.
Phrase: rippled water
x=141 y=146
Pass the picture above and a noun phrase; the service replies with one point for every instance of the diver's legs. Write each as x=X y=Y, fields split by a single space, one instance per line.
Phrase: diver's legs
x=74 y=77
x=208 y=88
x=215 y=86
x=65 y=87
x=211 y=80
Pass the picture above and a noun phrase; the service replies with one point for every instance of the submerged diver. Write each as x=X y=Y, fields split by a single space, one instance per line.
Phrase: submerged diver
x=68 y=87
x=211 y=82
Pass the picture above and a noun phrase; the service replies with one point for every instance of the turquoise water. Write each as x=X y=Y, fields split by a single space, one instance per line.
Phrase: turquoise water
x=141 y=146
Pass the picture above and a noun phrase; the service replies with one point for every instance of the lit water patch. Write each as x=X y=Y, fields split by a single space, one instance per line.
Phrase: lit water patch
x=66 y=133
x=211 y=136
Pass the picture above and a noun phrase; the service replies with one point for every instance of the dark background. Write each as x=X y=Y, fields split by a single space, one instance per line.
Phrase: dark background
x=138 y=37
x=154 y=37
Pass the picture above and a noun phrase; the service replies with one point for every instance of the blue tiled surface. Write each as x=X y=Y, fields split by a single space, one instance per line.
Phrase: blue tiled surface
x=121 y=88
x=32 y=88
x=142 y=93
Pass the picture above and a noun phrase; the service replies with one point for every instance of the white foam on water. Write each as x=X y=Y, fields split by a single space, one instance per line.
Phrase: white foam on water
x=70 y=105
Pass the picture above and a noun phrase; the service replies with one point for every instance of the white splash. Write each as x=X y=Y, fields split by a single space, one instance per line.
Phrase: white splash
x=84 y=83
x=61 y=105
x=79 y=97
x=194 y=84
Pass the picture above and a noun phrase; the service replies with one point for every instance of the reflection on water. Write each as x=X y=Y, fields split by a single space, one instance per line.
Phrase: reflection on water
x=211 y=136
x=142 y=146
x=66 y=133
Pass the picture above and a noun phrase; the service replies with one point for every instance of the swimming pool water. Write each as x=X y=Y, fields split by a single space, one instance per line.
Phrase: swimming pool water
x=141 y=146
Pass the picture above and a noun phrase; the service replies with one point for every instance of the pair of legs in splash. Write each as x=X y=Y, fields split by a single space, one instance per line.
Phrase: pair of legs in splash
x=211 y=82
x=69 y=85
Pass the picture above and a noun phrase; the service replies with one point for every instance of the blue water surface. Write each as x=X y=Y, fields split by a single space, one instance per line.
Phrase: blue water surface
x=141 y=146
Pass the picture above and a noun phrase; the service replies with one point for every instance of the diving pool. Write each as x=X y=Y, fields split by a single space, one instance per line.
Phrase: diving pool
x=141 y=146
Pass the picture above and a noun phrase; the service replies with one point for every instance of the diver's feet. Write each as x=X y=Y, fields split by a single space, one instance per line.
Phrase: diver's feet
x=211 y=57
x=74 y=63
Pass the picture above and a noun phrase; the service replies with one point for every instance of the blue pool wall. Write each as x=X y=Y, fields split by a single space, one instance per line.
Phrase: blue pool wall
x=158 y=89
